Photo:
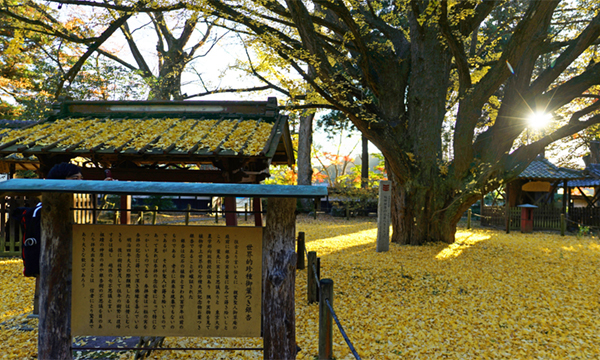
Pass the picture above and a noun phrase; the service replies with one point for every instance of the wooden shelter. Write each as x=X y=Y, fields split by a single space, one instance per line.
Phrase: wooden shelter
x=536 y=185
x=167 y=141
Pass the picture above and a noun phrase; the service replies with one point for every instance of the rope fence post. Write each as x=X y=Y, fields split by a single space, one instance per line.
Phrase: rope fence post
x=141 y=218
x=469 y=218
x=187 y=214
x=300 y=265
x=312 y=293
x=325 y=320
x=154 y=214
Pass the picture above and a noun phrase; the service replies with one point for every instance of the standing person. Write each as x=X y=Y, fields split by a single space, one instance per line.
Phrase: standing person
x=31 y=223
x=31 y=227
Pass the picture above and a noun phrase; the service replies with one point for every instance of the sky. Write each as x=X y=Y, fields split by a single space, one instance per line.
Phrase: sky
x=215 y=72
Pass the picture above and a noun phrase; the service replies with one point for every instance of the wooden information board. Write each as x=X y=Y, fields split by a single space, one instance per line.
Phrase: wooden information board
x=166 y=281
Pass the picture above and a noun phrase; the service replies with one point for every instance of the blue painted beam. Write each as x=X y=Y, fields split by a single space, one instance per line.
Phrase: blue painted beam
x=161 y=188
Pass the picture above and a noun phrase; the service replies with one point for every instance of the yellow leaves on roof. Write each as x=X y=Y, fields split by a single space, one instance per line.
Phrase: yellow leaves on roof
x=258 y=140
x=192 y=138
x=216 y=135
x=184 y=134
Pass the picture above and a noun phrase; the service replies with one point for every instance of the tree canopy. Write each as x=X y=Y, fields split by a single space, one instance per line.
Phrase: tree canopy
x=412 y=74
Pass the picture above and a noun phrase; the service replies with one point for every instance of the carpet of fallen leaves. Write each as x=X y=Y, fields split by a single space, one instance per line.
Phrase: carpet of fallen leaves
x=490 y=295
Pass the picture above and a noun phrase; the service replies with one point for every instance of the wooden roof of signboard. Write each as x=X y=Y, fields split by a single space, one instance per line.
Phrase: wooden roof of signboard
x=228 y=141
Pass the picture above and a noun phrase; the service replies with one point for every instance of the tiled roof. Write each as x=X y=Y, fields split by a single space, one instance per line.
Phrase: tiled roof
x=542 y=169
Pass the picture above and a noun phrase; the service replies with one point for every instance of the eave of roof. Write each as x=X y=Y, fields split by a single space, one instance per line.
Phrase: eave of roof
x=542 y=169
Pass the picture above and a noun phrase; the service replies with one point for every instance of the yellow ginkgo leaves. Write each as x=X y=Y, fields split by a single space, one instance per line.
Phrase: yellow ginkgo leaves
x=490 y=295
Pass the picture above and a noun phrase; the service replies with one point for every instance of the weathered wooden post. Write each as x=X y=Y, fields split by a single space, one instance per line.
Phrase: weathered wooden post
x=230 y=211
x=246 y=212
x=125 y=207
x=301 y=249
x=187 y=214
x=154 y=214
x=257 y=209
x=563 y=224
x=279 y=276
x=325 y=320
x=54 y=338
x=469 y=218
x=311 y=282
x=384 y=213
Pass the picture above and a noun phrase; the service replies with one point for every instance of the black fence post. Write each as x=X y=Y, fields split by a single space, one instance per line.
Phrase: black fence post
x=325 y=320
x=300 y=265
x=312 y=291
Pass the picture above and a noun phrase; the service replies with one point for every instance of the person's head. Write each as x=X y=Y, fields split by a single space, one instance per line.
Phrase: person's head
x=65 y=171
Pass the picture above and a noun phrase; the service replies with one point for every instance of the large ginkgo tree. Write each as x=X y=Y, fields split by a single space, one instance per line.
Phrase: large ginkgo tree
x=443 y=88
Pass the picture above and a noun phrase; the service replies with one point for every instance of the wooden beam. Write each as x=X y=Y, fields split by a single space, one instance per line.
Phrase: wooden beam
x=142 y=174
x=125 y=215
x=54 y=337
x=279 y=276
x=589 y=202
x=257 y=210
x=230 y=208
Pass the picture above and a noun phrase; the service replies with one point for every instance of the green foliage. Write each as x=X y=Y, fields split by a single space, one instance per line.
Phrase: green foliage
x=359 y=201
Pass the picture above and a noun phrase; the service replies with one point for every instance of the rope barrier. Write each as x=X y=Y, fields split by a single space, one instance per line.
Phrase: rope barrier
x=337 y=321
x=481 y=216
x=589 y=226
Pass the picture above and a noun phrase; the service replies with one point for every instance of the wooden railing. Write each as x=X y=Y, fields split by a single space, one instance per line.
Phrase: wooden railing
x=545 y=217
x=10 y=229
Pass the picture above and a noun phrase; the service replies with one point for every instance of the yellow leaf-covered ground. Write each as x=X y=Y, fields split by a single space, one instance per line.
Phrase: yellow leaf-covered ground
x=489 y=295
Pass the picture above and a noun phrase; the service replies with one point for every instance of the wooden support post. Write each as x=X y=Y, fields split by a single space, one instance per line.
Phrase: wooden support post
x=300 y=253
x=187 y=214
x=347 y=212
x=311 y=290
x=279 y=277
x=469 y=218
x=115 y=217
x=230 y=212
x=563 y=224
x=314 y=204
x=36 y=297
x=125 y=207
x=54 y=338
x=246 y=212
x=507 y=208
x=154 y=214
x=326 y=321
x=94 y=208
x=141 y=218
x=3 y=218
x=257 y=209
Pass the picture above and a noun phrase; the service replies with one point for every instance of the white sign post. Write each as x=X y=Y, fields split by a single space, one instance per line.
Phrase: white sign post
x=384 y=210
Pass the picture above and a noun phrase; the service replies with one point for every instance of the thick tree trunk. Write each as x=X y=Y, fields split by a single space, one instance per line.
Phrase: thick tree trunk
x=279 y=277
x=54 y=338
x=167 y=86
x=304 y=155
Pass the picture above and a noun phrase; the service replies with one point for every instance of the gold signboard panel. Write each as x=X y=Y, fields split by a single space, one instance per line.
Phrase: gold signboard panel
x=166 y=281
